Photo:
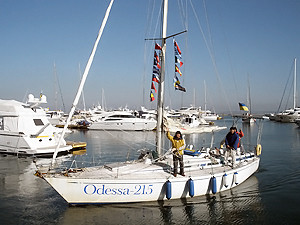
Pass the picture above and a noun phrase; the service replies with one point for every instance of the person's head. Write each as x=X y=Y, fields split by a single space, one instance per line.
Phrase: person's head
x=178 y=135
x=233 y=130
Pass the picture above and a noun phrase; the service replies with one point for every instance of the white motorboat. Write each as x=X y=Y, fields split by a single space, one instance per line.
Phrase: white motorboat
x=190 y=126
x=146 y=113
x=210 y=116
x=193 y=121
x=26 y=130
x=289 y=117
x=55 y=117
x=190 y=110
x=149 y=179
x=279 y=116
x=121 y=120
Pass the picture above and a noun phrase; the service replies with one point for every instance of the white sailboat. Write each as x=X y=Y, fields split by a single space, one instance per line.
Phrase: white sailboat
x=291 y=115
x=150 y=179
x=207 y=114
x=247 y=117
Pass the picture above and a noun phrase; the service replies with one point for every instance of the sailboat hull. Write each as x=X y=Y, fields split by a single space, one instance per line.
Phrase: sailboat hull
x=124 y=190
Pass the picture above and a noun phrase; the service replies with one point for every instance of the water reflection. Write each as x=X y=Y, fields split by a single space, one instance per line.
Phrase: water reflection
x=25 y=198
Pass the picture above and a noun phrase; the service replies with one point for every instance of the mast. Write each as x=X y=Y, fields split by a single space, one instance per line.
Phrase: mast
x=205 y=97
x=194 y=102
x=102 y=100
x=83 y=100
x=295 y=75
x=55 y=91
x=83 y=79
x=160 y=98
x=249 y=95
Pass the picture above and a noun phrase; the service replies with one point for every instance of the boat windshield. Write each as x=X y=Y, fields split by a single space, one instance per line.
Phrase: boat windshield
x=122 y=116
x=38 y=122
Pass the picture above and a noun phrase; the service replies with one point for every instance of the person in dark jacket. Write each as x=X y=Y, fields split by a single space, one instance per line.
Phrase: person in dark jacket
x=231 y=142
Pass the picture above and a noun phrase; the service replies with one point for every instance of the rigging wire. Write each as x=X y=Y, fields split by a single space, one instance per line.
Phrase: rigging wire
x=148 y=54
x=286 y=84
x=211 y=56
x=289 y=95
x=229 y=56
x=130 y=146
x=59 y=88
x=147 y=31
x=183 y=15
x=209 y=32
x=208 y=29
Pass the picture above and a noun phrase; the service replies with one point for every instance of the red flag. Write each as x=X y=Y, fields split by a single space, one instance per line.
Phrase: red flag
x=153 y=87
x=178 y=61
x=151 y=97
x=176 y=45
x=155 y=63
x=156 y=56
x=157 y=46
x=155 y=78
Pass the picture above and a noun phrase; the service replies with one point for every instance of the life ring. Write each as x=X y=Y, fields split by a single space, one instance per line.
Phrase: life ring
x=258 y=150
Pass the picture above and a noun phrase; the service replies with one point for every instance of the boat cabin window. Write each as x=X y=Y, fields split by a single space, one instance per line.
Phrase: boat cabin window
x=1 y=123
x=188 y=120
x=122 y=116
x=112 y=119
x=38 y=122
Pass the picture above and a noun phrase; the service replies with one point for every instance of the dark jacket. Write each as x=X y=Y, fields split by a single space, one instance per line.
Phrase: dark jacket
x=232 y=140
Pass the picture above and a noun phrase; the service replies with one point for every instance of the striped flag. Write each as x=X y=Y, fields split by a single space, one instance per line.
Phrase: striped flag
x=156 y=56
x=243 y=107
x=177 y=70
x=153 y=87
x=177 y=60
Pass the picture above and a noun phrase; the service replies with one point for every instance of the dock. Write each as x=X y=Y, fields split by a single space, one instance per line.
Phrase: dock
x=77 y=145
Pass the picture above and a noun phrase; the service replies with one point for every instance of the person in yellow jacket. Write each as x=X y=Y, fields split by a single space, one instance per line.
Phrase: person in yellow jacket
x=178 y=145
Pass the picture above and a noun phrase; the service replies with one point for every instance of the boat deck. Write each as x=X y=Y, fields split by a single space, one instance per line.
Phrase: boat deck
x=142 y=171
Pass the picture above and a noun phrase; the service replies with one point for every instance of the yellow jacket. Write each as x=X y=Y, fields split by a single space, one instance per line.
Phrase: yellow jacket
x=177 y=144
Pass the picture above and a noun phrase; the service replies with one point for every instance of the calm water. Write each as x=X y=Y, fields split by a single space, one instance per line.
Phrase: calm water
x=269 y=197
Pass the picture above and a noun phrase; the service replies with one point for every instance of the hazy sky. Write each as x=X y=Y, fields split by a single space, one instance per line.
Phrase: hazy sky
x=227 y=42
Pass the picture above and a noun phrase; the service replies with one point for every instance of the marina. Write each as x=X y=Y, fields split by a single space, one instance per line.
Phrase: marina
x=268 y=197
x=161 y=158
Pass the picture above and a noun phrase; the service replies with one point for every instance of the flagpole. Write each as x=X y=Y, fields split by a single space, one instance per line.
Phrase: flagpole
x=295 y=87
x=83 y=79
x=160 y=97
